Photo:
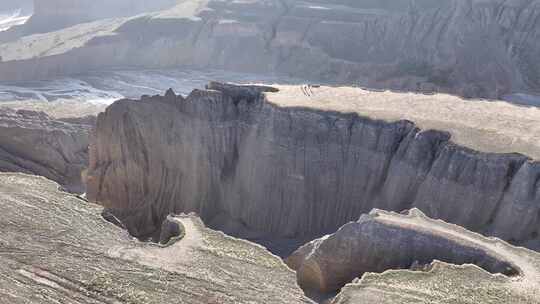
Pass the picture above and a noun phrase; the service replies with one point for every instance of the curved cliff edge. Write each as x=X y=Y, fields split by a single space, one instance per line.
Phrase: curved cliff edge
x=302 y=161
x=33 y=142
x=422 y=248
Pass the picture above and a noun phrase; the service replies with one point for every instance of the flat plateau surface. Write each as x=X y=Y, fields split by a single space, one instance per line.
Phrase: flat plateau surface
x=483 y=125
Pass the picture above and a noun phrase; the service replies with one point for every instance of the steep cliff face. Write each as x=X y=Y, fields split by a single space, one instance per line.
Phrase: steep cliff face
x=471 y=48
x=34 y=143
x=251 y=166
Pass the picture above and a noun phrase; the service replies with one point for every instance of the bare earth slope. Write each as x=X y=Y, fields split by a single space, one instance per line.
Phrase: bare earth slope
x=419 y=240
x=55 y=248
x=485 y=48
x=256 y=164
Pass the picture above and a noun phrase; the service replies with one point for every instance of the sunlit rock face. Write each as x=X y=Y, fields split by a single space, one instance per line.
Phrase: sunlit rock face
x=470 y=48
x=288 y=165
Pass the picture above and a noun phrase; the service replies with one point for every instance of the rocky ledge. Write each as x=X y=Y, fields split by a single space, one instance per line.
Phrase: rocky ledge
x=33 y=142
x=56 y=248
x=291 y=161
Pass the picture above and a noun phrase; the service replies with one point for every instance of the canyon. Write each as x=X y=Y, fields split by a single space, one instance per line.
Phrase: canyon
x=331 y=152
x=473 y=49
x=301 y=161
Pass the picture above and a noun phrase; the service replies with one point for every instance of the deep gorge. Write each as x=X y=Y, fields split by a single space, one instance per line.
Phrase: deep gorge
x=254 y=169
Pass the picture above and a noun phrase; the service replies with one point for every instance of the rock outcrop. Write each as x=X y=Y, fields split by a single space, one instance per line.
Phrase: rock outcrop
x=55 y=248
x=305 y=160
x=382 y=241
x=480 y=48
x=34 y=143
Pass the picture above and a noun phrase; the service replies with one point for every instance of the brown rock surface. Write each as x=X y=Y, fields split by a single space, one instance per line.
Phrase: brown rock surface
x=33 y=142
x=56 y=248
x=291 y=164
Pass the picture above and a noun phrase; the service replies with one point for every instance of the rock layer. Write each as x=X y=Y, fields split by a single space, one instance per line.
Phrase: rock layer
x=34 y=143
x=56 y=248
x=253 y=166
x=471 y=48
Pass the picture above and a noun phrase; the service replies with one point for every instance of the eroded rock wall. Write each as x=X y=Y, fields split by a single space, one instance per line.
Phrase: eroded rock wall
x=247 y=165
x=34 y=143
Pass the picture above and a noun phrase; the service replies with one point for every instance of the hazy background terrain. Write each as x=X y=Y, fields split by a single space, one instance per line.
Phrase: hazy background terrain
x=99 y=51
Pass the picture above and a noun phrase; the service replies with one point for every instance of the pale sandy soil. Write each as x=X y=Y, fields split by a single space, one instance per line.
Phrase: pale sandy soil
x=488 y=126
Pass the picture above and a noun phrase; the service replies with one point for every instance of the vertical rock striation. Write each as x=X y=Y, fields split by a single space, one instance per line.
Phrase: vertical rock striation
x=247 y=165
